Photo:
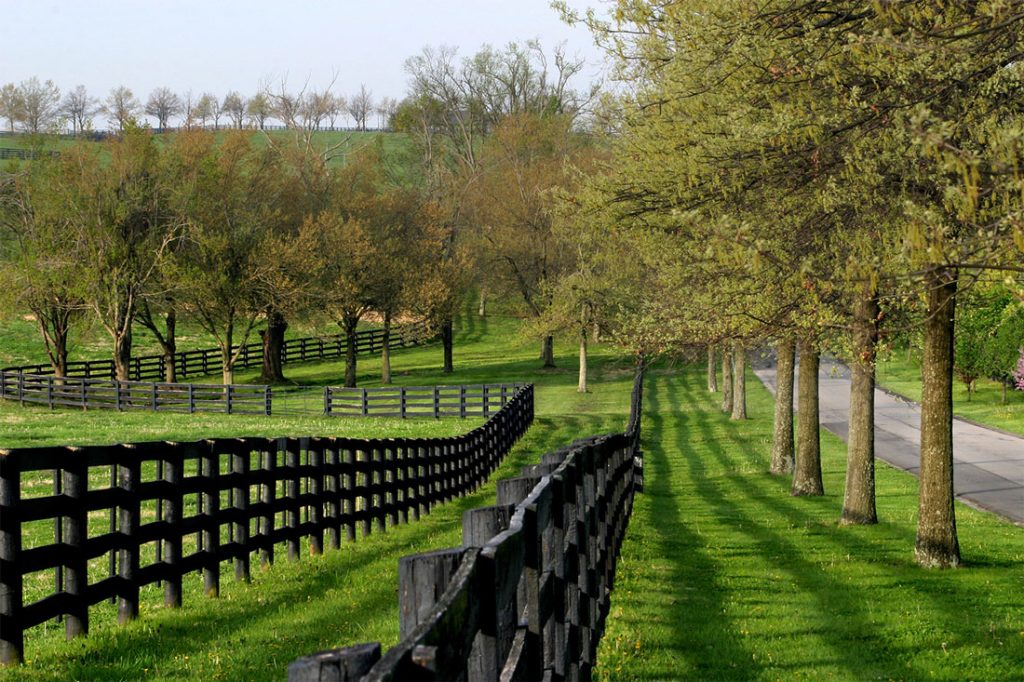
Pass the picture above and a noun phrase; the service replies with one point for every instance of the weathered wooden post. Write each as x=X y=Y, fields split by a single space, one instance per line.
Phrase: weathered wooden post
x=76 y=534
x=211 y=530
x=173 y=475
x=422 y=579
x=338 y=665
x=130 y=514
x=12 y=637
x=240 y=469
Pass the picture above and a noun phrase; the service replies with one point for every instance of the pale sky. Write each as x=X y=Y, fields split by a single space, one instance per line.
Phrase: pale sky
x=223 y=45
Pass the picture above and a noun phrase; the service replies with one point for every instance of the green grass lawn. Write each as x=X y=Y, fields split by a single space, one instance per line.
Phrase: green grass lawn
x=900 y=372
x=254 y=630
x=725 y=576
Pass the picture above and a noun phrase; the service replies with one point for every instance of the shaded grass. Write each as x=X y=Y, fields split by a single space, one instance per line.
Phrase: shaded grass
x=901 y=373
x=725 y=576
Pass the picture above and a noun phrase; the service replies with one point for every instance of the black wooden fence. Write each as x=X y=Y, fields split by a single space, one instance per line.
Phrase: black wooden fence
x=479 y=400
x=107 y=394
x=207 y=361
x=526 y=596
x=215 y=501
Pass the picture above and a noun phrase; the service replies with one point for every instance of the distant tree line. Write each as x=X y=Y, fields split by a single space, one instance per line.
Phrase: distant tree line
x=35 y=106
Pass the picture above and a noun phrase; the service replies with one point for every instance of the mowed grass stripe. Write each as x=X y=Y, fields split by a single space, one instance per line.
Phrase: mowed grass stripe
x=725 y=576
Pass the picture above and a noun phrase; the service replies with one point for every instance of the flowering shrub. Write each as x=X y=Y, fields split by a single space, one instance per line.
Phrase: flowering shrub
x=1018 y=374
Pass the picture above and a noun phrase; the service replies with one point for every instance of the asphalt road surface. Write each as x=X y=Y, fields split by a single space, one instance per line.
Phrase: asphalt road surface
x=988 y=465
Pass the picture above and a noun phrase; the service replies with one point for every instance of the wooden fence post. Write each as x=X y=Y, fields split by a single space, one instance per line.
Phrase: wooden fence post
x=316 y=517
x=268 y=492
x=240 y=468
x=130 y=514
x=422 y=579
x=211 y=531
x=339 y=665
x=173 y=473
x=292 y=492
x=76 y=534
x=437 y=404
x=401 y=401
x=365 y=405
x=12 y=636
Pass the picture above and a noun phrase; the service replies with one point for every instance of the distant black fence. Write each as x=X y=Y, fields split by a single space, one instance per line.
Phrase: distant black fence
x=8 y=153
x=207 y=361
x=106 y=394
x=526 y=596
x=479 y=400
x=215 y=501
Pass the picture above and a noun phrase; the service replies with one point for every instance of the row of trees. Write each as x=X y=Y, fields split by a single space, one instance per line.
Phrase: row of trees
x=240 y=230
x=35 y=106
x=820 y=176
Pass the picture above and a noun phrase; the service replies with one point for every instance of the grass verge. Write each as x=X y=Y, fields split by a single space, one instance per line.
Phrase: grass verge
x=901 y=373
x=725 y=576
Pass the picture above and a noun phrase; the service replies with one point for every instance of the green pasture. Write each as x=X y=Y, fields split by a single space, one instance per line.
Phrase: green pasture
x=723 y=575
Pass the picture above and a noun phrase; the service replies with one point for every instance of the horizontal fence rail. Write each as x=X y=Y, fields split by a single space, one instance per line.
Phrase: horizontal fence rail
x=479 y=400
x=159 y=511
x=104 y=394
x=527 y=594
x=207 y=361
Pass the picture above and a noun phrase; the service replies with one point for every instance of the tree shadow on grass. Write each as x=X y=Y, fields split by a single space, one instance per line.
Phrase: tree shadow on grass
x=693 y=605
x=842 y=619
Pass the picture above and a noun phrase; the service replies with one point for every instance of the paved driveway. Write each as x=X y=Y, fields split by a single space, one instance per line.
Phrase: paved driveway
x=988 y=465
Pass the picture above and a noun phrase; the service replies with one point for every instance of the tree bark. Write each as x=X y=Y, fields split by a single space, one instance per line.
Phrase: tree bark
x=170 y=345
x=447 y=335
x=937 y=544
x=385 y=351
x=726 y=380
x=482 y=309
x=581 y=386
x=712 y=370
x=859 y=495
x=807 y=470
x=55 y=326
x=782 y=436
x=548 y=352
x=273 y=347
x=349 y=323
x=739 y=381
x=123 y=353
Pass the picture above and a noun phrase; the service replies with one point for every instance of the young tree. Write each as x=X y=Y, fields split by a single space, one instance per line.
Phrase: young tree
x=207 y=107
x=221 y=195
x=121 y=107
x=39 y=104
x=11 y=105
x=360 y=105
x=79 y=107
x=162 y=104
x=258 y=109
x=39 y=258
x=234 y=106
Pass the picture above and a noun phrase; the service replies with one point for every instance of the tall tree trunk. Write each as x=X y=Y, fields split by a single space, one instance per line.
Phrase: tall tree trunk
x=55 y=326
x=273 y=347
x=482 y=309
x=123 y=353
x=782 y=435
x=385 y=351
x=548 y=352
x=227 y=360
x=170 y=345
x=807 y=471
x=581 y=386
x=596 y=332
x=739 y=381
x=859 y=495
x=712 y=370
x=447 y=334
x=726 y=380
x=349 y=323
x=937 y=544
